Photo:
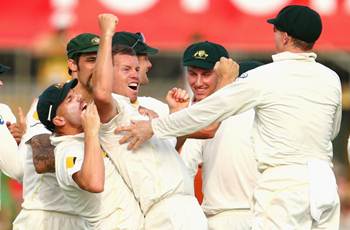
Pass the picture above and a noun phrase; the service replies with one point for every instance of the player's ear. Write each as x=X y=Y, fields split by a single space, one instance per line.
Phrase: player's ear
x=72 y=65
x=285 y=38
x=59 y=121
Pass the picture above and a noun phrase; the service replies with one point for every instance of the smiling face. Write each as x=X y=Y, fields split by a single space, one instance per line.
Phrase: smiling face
x=126 y=75
x=203 y=82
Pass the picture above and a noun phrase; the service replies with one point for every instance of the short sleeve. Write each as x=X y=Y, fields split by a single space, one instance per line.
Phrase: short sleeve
x=69 y=161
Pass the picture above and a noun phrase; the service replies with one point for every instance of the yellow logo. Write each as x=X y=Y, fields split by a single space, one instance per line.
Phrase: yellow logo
x=36 y=116
x=200 y=54
x=95 y=41
x=70 y=162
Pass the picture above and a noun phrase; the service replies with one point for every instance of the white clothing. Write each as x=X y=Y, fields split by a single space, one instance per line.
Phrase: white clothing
x=154 y=172
x=229 y=169
x=295 y=120
x=157 y=106
x=11 y=161
x=114 y=208
x=234 y=219
x=282 y=200
x=40 y=191
x=298 y=111
x=44 y=220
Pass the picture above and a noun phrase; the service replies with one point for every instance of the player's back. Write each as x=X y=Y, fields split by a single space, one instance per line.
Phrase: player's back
x=297 y=112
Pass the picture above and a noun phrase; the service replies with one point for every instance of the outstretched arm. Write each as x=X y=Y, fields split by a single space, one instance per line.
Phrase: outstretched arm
x=217 y=106
x=102 y=78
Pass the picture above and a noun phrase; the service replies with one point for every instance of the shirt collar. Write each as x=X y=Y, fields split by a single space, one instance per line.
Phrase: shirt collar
x=126 y=99
x=55 y=140
x=294 y=56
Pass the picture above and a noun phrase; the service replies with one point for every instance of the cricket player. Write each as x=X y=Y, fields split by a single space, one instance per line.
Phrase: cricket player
x=137 y=41
x=86 y=175
x=298 y=113
x=229 y=169
x=155 y=173
x=11 y=162
x=44 y=203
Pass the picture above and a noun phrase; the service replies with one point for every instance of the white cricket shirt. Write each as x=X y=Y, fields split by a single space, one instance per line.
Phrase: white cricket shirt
x=297 y=103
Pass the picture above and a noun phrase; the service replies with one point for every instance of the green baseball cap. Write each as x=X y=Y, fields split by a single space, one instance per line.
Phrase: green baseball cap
x=300 y=22
x=135 y=41
x=49 y=101
x=83 y=43
x=203 y=55
x=4 y=68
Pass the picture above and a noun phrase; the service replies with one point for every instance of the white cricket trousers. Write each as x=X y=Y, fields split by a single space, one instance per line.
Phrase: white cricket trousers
x=282 y=201
x=177 y=212
x=44 y=220
x=240 y=219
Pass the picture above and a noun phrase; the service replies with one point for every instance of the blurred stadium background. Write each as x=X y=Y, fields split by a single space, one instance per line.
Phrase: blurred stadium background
x=33 y=36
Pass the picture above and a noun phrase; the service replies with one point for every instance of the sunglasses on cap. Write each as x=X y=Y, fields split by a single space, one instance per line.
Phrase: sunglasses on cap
x=140 y=38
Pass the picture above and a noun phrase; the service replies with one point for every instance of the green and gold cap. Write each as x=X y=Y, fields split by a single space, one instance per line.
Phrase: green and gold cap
x=83 y=43
x=135 y=41
x=203 y=55
x=49 y=101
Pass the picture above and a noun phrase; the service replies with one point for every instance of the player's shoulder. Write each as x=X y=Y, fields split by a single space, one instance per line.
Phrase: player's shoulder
x=6 y=114
x=144 y=99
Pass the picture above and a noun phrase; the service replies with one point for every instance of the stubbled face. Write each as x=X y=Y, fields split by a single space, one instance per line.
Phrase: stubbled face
x=203 y=82
x=145 y=66
x=85 y=67
x=126 y=76
x=71 y=109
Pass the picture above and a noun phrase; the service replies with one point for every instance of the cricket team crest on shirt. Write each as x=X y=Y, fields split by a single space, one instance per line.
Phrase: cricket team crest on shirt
x=200 y=54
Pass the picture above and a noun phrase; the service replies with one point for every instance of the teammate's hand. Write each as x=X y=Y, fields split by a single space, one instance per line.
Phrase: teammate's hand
x=90 y=119
x=147 y=112
x=107 y=23
x=137 y=133
x=18 y=129
x=177 y=99
x=227 y=71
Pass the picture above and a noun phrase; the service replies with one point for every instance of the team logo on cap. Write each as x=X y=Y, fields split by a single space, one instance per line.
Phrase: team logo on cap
x=2 y=121
x=200 y=54
x=95 y=41
x=58 y=85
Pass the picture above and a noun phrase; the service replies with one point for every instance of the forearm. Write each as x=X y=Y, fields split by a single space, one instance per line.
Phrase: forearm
x=103 y=73
x=43 y=153
x=11 y=160
x=91 y=177
x=232 y=99
x=102 y=79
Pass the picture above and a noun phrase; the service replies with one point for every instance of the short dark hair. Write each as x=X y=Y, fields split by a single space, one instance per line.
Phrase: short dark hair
x=76 y=61
x=123 y=49
x=303 y=45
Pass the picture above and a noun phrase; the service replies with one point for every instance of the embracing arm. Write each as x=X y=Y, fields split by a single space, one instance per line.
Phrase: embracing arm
x=43 y=153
